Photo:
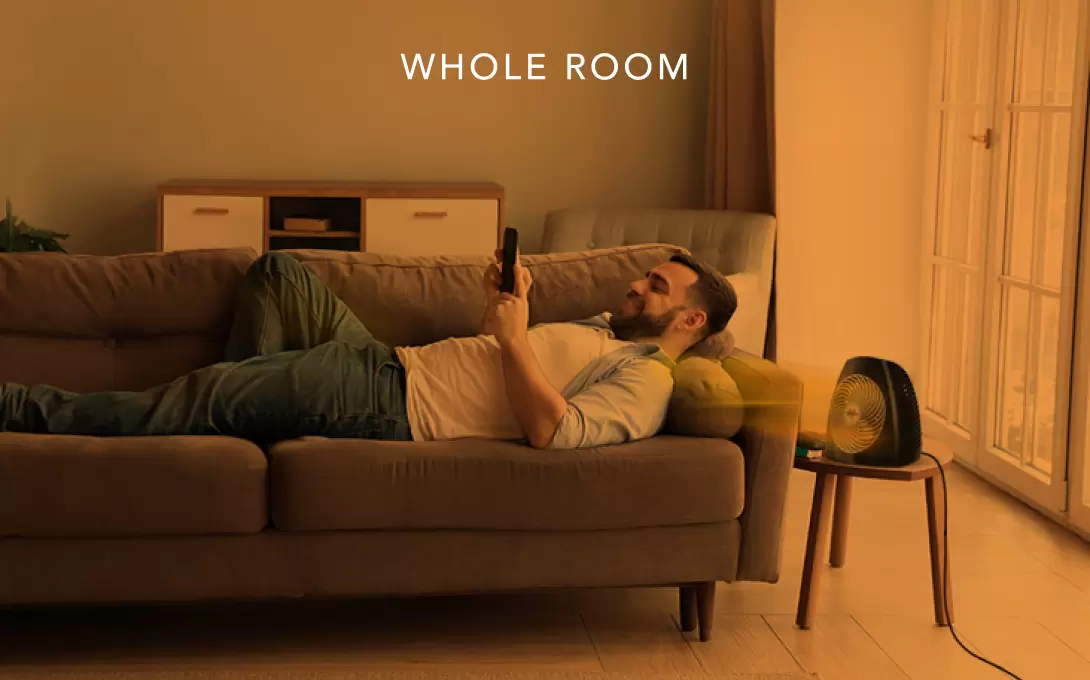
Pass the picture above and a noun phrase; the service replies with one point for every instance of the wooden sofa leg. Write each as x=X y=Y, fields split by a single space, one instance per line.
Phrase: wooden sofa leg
x=687 y=602
x=705 y=608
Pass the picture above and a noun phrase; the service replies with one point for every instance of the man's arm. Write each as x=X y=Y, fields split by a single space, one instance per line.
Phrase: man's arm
x=628 y=405
x=537 y=405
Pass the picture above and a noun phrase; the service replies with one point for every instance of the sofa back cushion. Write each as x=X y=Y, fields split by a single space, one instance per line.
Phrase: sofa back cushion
x=129 y=322
x=126 y=322
x=417 y=300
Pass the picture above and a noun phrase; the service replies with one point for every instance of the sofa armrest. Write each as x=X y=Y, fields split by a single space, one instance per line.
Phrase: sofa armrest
x=773 y=401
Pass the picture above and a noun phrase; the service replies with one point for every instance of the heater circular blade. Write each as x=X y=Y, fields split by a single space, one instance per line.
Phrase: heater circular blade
x=858 y=414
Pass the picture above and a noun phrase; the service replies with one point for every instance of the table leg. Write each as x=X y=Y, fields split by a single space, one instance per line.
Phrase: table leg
x=940 y=562
x=838 y=552
x=820 y=516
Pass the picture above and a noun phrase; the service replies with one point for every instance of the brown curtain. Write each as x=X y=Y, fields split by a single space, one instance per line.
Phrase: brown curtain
x=740 y=157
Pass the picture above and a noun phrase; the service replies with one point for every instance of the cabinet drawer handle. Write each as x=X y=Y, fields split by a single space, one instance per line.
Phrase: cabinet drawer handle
x=210 y=211
x=426 y=213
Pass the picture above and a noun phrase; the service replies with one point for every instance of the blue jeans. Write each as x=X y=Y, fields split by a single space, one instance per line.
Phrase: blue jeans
x=298 y=362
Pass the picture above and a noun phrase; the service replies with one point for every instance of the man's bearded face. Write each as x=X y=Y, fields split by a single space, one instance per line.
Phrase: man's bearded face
x=633 y=321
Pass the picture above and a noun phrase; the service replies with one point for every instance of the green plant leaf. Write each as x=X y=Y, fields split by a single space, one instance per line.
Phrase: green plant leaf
x=42 y=233
x=17 y=236
x=7 y=234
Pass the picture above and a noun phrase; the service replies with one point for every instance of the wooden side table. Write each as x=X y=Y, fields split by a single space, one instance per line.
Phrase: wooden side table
x=823 y=511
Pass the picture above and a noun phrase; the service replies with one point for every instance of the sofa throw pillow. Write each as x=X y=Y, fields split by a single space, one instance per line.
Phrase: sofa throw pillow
x=715 y=347
x=706 y=401
x=749 y=321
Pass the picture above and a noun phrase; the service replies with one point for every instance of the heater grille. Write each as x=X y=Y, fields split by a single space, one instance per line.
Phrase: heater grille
x=858 y=414
x=873 y=416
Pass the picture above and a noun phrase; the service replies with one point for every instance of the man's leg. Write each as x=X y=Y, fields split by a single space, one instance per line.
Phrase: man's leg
x=182 y=406
x=332 y=390
x=298 y=362
x=282 y=306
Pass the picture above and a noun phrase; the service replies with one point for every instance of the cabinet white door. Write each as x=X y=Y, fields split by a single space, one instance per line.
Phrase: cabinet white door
x=431 y=226
x=203 y=222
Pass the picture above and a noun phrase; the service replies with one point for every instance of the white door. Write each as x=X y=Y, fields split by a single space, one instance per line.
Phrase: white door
x=1032 y=256
x=1079 y=462
x=957 y=218
x=1003 y=208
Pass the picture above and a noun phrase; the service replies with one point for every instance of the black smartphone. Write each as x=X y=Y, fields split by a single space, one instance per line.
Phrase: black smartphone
x=507 y=266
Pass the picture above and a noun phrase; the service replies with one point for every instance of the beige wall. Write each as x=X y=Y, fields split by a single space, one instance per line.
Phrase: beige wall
x=102 y=99
x=851 y=91
x=112 y=96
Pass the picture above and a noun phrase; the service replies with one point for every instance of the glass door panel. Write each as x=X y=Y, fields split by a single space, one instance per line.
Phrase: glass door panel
x=958 y=218
x=1030 y=294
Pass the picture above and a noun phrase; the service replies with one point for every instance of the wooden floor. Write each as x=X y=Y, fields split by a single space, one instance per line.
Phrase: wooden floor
x=1021 y=591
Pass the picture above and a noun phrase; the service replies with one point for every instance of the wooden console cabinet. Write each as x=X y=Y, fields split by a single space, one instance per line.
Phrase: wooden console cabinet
x=398 y=218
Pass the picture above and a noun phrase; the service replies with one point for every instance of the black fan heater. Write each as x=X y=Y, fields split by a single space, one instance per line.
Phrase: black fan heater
x=874 y=420
x=874 y=417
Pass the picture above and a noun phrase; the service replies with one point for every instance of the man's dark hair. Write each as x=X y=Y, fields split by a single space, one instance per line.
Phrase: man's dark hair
x=711 y=292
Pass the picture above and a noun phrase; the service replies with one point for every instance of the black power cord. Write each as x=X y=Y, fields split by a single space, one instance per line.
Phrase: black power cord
x=946 y=572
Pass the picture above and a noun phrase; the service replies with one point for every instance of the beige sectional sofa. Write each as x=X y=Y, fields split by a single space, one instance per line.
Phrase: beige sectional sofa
x=173 y=519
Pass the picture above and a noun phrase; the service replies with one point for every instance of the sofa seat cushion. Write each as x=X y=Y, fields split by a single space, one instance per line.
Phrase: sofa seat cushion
x=68 y=486
x=319 y=484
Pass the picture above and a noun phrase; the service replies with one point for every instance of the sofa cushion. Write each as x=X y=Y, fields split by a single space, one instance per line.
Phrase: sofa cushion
x=121 y=322
x=706 y=401
x=418 y=300
x=319 y=484
x=717 y=347
x=750 y=321
x=65 y=486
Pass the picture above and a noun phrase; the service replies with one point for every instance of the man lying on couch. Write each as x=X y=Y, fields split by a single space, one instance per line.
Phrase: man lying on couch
x=299 y=363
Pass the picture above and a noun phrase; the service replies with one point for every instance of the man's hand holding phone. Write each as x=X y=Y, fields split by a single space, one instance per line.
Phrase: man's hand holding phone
x=537 y=405
x=508 y=314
